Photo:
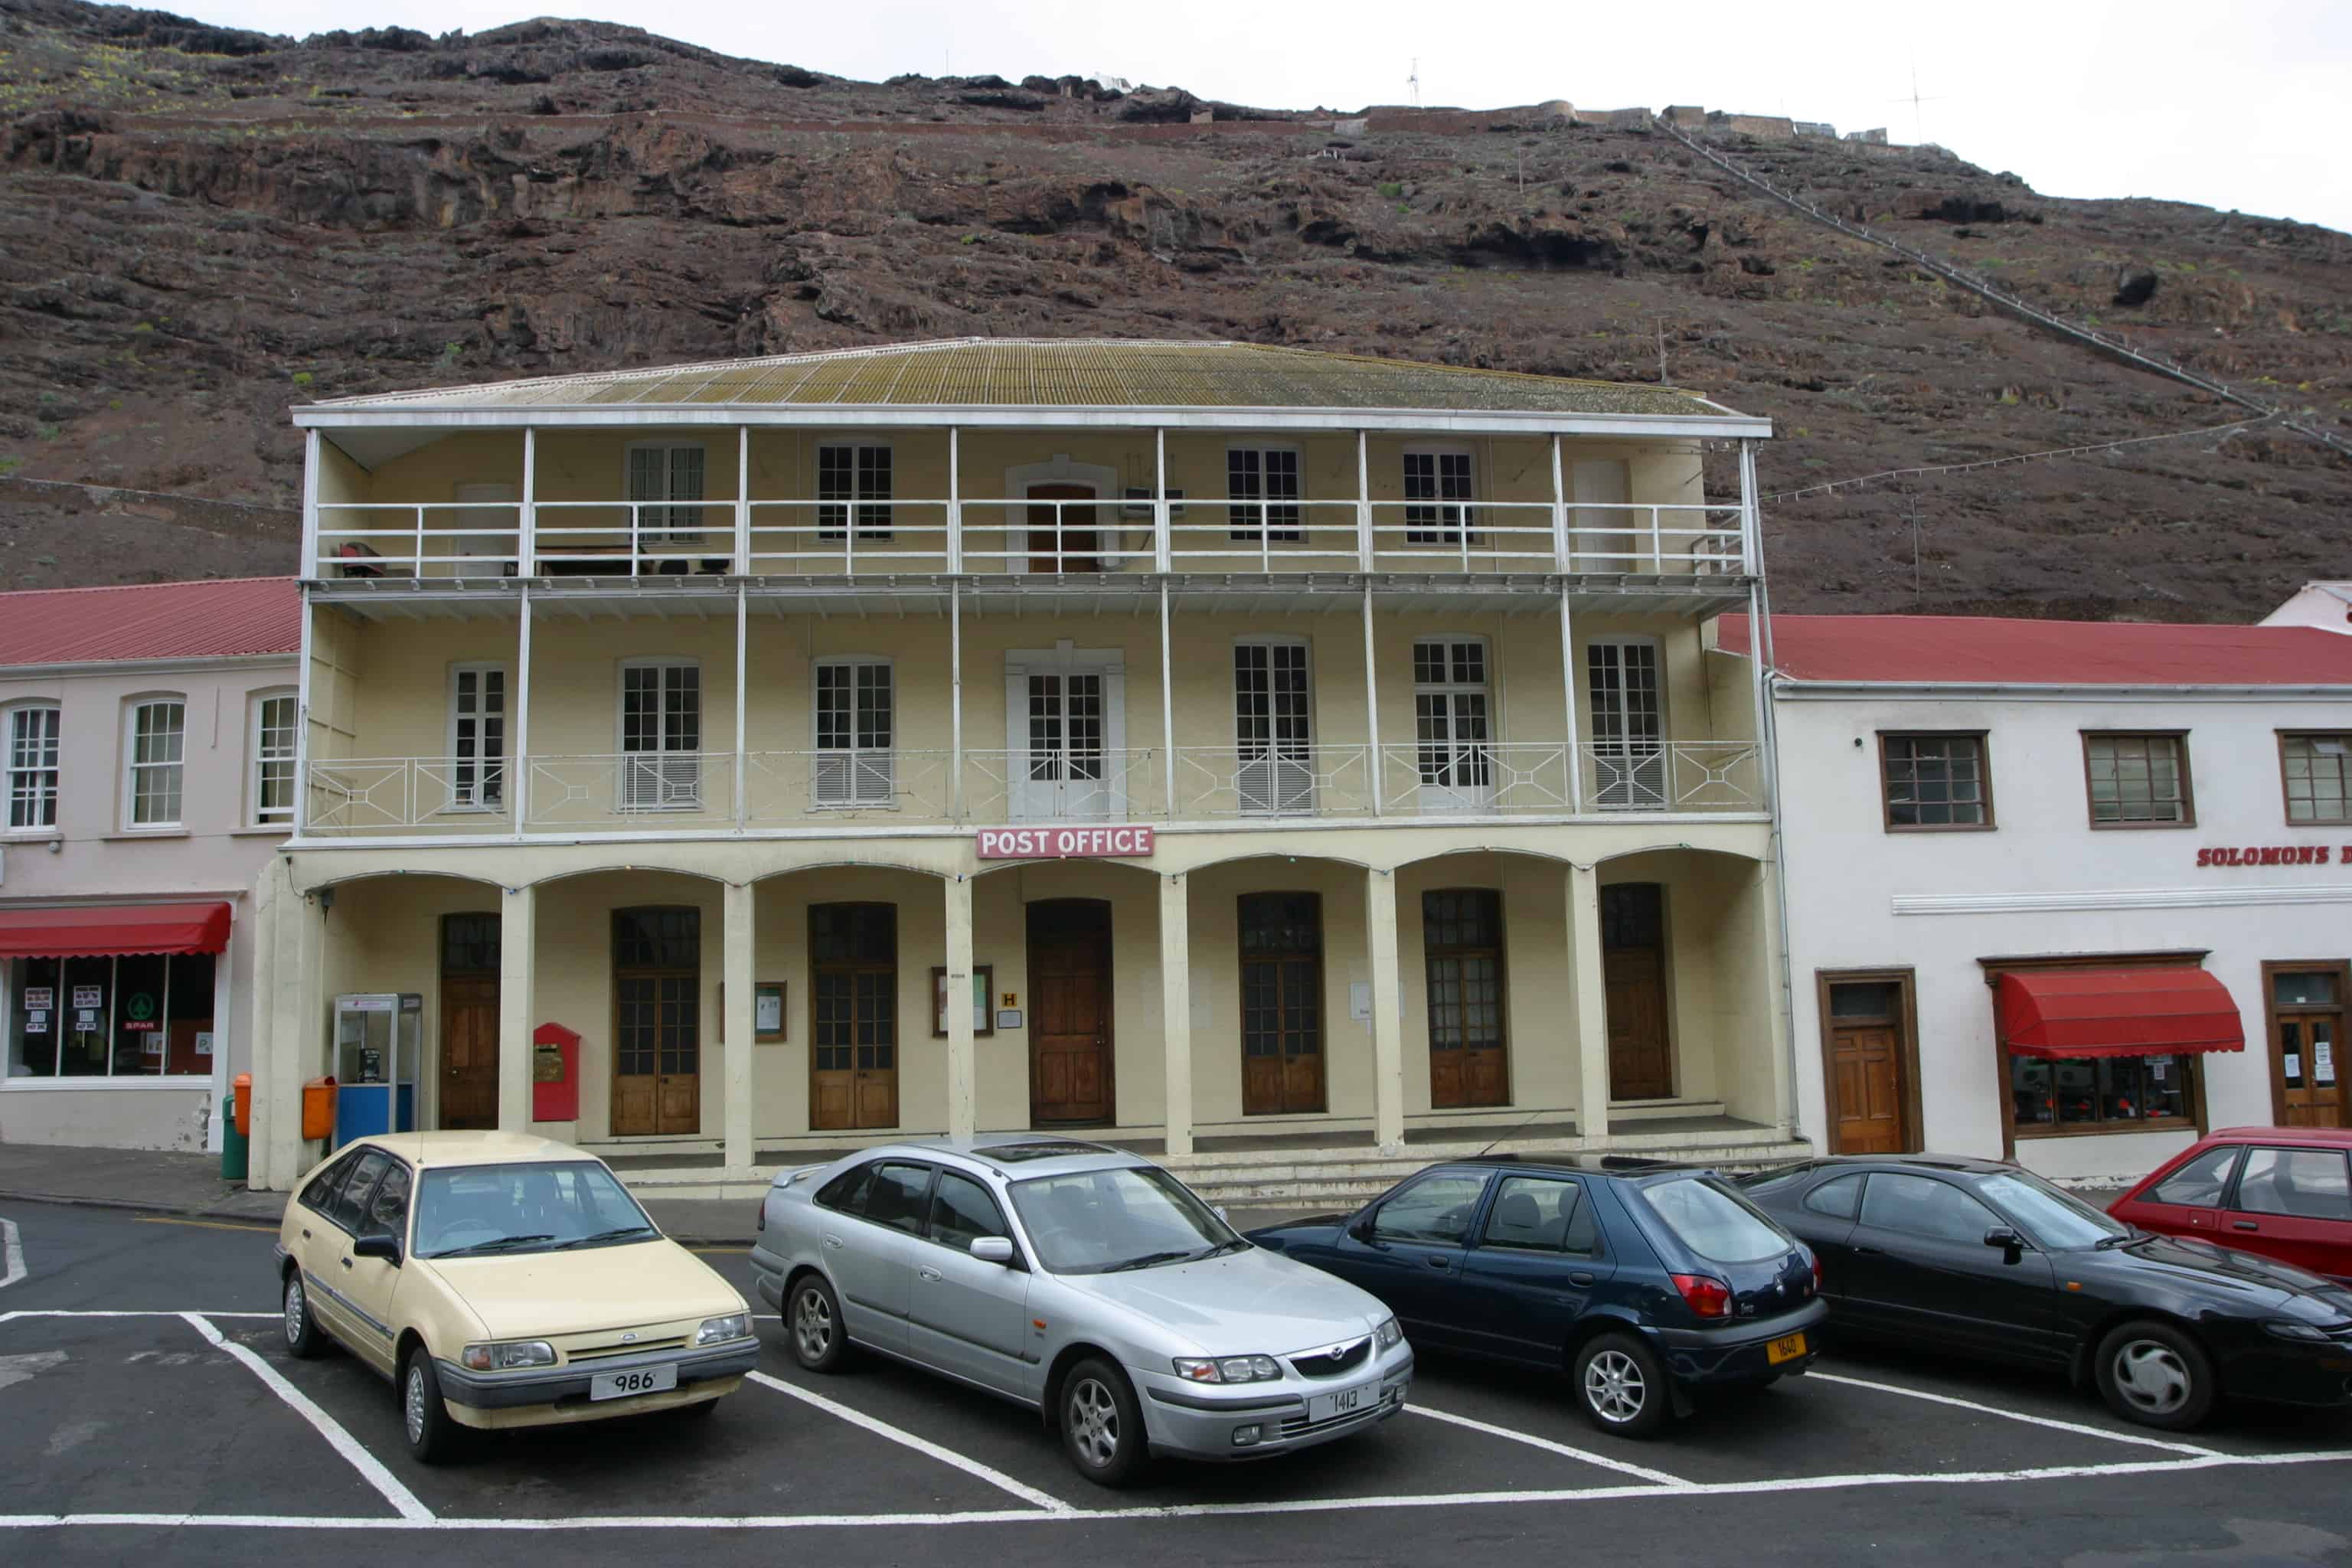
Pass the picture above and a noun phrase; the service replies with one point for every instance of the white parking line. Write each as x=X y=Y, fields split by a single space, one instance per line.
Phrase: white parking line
x=111 y=1312
x=1656 y=1477
x=2054 y=1425
x=994 y=1478
x=1680 y=1494
x=404 y=1501
x=12 y=1253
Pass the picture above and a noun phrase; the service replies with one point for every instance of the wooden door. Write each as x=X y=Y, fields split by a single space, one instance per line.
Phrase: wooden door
x=854 y=995
x=1282 y=1003
x=1868 y=1098
x=1462 y=945
x=656 y=1022
x=2311 y=1069
x=470 y=1052
x=1063 y=537
x=1633 y=981
x=1069 y=1035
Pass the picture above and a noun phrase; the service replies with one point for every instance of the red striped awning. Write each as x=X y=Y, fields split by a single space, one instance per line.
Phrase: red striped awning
x=2117 y=1013
x=94 y=930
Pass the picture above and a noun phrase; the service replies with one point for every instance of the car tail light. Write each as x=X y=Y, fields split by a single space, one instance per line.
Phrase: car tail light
x=1705 y=1296
x=1817 y=1274
x=764 y=1215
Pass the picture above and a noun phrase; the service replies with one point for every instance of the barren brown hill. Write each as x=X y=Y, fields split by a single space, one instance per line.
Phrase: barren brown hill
x=201 y=226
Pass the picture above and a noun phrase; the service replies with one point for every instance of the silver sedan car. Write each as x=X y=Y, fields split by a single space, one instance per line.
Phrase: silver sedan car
x=1081 y=1282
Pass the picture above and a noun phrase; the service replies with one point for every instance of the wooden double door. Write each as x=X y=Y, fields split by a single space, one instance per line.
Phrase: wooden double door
x=853 y=1033
x=1462 y=947
x=1070 y=1000
x=2306 y=1010
x=1634 y=980
x=656 y=1022
x=469 y=1087
x=1282 y=1003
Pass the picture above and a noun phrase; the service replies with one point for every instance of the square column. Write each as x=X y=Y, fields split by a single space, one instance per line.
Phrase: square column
x=1387 y=1012
x=517 y=1004
x=737 y=1028
x=290 y=1007
x=963 y=1075
x=1176 y=1008
x=1591 y=993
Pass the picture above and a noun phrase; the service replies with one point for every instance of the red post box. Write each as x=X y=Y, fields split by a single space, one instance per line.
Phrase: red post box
x=554 y=1074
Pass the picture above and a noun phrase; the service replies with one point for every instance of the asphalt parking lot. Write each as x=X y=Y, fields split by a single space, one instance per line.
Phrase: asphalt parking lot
x=147 y=1399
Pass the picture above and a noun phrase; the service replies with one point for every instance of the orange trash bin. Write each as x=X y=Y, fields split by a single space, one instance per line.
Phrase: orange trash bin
x=319 y=1108
x=243 y=1086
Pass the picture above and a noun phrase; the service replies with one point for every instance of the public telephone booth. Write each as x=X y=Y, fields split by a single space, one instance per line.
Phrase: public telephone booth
x=376 y=1043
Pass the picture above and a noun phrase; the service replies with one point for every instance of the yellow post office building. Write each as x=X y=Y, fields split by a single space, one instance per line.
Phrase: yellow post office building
x=1292 y=764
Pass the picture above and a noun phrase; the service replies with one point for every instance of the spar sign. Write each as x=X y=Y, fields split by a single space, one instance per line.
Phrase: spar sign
x=1064 y=843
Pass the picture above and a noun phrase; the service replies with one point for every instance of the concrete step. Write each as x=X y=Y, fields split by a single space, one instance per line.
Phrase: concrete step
x=1286 y=1185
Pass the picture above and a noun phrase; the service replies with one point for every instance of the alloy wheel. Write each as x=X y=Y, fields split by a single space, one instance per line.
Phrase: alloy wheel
x=297 y=1310
x=1614 y=1386
x=812 y=1326
x=1094 y=1422
x=413 y=1404
x=2151 y=1376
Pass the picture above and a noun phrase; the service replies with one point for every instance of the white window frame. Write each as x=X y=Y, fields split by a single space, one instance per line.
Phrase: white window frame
x=10 y=771
x=131 y=708
x=855 y=776
x=1279 y=782
x=1462 y=530
x=656 y=522
x=675 y=784
x=863 y=516
x=1058 y=796
x=1258 y=529
x=1471 y=784
x=475 y=799
x=258 y=757
x=1640 y=771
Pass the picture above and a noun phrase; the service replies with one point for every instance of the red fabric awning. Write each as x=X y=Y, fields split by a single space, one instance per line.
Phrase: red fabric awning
x=2117 y=1013
x=97 y=930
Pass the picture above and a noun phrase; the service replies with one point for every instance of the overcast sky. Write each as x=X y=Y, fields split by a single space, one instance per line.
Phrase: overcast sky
x=2231 y=103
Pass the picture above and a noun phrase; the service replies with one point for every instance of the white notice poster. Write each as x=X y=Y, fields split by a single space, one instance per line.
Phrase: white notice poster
x=204 y=1044
x=40 y=998
x=2293 y=1063
x=88 y=996
x=37 y=1020
x=2322 y=1061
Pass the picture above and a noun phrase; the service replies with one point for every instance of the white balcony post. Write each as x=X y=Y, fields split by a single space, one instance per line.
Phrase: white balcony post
x=1588 y=982
x=963 y=1066
x=738 y=1026
x=1751 y=549
x=1568 y=674
x=1372 y=700
x=1562 y=557
x=1163 y=548
x=1364 y=503
x=743 y=741
x=518 y=973
x=1387 y=1012
x=519 y=765
x=743 y=500
x=311 y=567
x=1176 y=1009
x=955 y=503
x=1167 y=704
x=527 y=547
x=955 y=701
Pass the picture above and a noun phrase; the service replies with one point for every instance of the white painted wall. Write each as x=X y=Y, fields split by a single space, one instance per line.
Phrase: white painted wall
x=2327 y=605
x=2123 y=891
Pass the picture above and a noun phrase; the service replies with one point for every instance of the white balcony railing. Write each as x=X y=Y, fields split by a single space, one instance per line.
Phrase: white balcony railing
x=1020 y=537
x=696 y=790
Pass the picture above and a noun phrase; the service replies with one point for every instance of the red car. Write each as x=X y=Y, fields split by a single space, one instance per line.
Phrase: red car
x=2284 y=1191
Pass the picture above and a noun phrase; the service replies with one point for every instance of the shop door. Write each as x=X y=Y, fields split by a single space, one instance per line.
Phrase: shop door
x=1070 y=982
x=1633 y=973
x=2306 y=1040
x=658 y=1022
x=1282 y=1003
x=1462 y=945
x=854 y=984
x=469 y=1023
x=1062 y=536
x=1866 y=1089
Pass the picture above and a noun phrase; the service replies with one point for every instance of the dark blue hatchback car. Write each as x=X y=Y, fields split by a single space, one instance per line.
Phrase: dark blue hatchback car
x=1641 y=1280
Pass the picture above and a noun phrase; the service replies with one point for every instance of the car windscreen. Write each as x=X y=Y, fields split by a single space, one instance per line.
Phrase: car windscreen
x=551 y=1207
x=2054 y=1219
x=1129 y=1216
x=1710 y=1220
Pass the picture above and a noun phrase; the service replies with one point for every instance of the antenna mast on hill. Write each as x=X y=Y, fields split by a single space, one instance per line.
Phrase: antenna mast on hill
x=1413 y=81
x=1918 y=123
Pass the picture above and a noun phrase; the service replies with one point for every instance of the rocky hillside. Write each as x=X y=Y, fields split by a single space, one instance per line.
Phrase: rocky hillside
x=201 y=226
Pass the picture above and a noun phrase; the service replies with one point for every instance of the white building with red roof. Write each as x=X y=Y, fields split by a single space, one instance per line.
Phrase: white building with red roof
x=147 y=739
x=2064 y=891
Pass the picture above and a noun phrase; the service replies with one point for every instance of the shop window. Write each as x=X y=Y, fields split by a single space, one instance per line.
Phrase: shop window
x=155 y=749
x=2138 y=779
x=136 y=1016
x=2317 y=769
x=853 y=475
x=2089 y=1094
x=270 y=786
x=1935 y=780
x=1263 y=493
x=31 y=738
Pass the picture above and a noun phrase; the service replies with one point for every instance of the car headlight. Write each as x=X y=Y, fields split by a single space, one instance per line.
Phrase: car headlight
x=717 y=1331
x=2292 y=1331
x=507 y=1355
x=1228 y=1369
x=1389 y=1335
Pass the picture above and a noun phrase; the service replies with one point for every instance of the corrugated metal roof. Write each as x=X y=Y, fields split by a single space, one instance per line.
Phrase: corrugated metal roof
x=1967 y=649
x=236 y=616
x=1063 y=374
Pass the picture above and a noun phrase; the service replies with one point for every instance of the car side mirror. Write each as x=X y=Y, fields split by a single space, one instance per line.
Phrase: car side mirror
x=384 y=1246
x=994 y=1249
x=2009 y=1241
x=1361 y=1228
x=1220 y=1212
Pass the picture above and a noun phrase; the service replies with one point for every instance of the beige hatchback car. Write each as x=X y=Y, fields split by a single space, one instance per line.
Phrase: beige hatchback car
x=502 y=1280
